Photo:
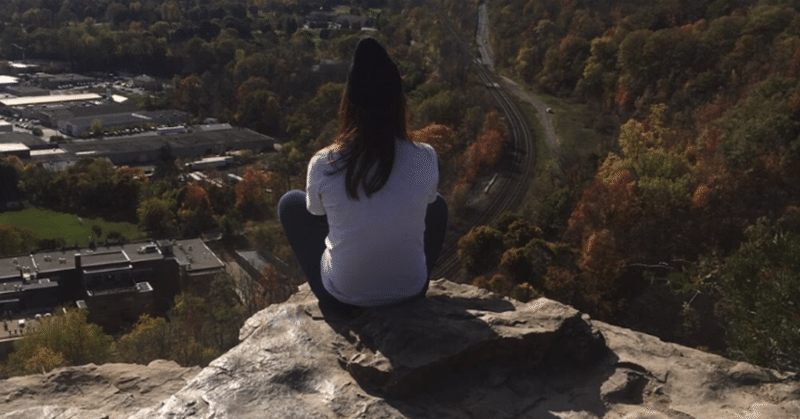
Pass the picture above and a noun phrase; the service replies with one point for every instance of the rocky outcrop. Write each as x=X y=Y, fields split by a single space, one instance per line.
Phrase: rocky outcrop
x=460 y=353
x=111 y=391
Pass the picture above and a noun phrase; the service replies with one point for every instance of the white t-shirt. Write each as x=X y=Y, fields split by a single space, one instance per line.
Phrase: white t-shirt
x=375 y=251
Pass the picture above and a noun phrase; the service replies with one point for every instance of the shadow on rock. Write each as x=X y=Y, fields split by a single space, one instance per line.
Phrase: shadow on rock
x=470 y=350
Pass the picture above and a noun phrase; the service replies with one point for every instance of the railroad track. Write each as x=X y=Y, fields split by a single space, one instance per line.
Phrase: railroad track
x=515 y=171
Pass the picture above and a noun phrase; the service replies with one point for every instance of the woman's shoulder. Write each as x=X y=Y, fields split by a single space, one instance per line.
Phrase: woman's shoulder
x=424 y=149
x=422 y=146
x=323 y=154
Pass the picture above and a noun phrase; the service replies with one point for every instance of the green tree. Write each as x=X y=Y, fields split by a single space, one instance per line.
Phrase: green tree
x=16 y=240
x=761 y=286
x=149 y=340
x=481 y=249
x=9 y=183
x=66 y=335
x=520 y=233
x=156 y=216
x=317 y=118
x=518 y=265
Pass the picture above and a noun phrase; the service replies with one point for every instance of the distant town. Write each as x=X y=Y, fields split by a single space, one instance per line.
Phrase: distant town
x=55 y=119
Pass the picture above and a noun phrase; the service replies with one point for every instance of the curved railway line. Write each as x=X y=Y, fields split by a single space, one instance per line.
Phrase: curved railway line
x=515 y=170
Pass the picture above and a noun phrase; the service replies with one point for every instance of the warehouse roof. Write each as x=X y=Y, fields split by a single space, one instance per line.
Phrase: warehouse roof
x=36 y=100
x=192 y=139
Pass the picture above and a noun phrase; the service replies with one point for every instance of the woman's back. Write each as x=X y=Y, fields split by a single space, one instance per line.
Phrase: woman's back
x=374 y=249
x=385 y=222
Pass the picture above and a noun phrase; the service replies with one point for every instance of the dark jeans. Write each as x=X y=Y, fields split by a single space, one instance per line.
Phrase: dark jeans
x=306 y=233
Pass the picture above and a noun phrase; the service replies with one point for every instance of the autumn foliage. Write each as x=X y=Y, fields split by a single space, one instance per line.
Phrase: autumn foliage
x=482 y=156
x=255 y=193
x=440 y=137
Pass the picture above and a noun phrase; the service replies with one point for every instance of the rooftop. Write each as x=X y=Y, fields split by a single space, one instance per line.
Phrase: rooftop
x=195 y=255
x=12 y=147
x=29 y=140
x=10 y=287
x=37 y=100
x=28 y=90
x=192 y=253
x=15 y=328
x=107 y=257
x=22 y=66
x=229 y=137
x=253 y=258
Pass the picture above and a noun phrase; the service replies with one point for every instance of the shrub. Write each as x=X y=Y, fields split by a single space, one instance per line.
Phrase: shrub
x=481 y=249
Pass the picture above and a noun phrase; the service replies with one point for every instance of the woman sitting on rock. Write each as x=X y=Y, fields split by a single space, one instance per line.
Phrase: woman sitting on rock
x=380 y=248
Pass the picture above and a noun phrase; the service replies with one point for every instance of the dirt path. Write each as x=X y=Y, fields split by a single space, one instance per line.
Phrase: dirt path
x=545 y=118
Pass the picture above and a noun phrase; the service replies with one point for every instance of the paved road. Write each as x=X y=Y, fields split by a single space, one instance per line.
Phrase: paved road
x=482 y=38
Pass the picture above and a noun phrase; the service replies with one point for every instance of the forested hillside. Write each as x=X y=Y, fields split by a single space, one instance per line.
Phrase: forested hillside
x=689 y=226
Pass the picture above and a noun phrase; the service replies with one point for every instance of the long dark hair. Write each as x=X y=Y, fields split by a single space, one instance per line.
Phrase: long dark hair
x=368 y=127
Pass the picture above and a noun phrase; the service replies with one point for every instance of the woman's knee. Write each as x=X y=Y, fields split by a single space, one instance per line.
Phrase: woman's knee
x=289 y=200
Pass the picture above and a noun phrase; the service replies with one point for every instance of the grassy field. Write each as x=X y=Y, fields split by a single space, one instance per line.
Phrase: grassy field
x=581 y=142
x=577 y=127
x=50 y=225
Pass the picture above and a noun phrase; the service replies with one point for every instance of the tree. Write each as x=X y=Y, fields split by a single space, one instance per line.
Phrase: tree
x=520 y=233
x=481 y=249
x=258 y=109
x=440 y=137
x=15 y=240
x=191 y=94
x=67 y=336
x=156 y=217
x=44 y=360
x=254 y=196
x=97 y=230
x=761 y=286
x=195 y=211
x=483 y=155
x=9 y=183
x=317 y=118
x=149 y=340
x=518 y=265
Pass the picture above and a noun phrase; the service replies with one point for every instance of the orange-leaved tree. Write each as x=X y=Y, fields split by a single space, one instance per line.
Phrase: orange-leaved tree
x=256 y=192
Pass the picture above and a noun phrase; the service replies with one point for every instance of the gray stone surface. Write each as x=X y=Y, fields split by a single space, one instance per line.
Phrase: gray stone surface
x=460 y=353
x=113 y=391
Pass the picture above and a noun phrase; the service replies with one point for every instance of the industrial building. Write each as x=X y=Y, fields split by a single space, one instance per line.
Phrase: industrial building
x=19 y=144
x=148 y=83
x=80 y=126
x=39 y=100
x=201 y=142
x=30 y=140
x=27 y=91
x=7 y=82
x=116 y=283
x=51 y=115
x=61 y=81
x=15 y=149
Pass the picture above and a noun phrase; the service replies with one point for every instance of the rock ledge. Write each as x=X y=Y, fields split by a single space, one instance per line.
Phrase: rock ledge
x=462 y=352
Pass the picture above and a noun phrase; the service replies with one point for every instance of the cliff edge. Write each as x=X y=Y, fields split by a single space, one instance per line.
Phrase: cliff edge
x=463 y=352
